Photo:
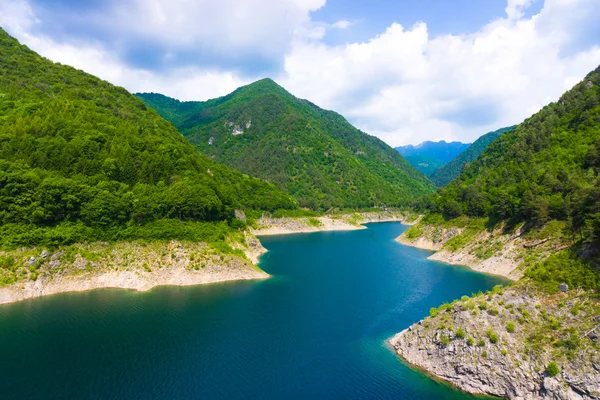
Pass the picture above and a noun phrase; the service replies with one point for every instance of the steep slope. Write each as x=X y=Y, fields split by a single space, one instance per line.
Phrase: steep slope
x=82 y=160
x=532 y=198
x=450 y=171
x=546 y=168
x=313 y=154
x=427 y=165
x=441 y=150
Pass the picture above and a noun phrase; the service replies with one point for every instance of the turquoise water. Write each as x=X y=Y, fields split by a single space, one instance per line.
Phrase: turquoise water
x=316 y=330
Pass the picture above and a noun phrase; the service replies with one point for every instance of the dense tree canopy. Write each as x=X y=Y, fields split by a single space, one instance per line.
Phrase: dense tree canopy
x=546 y=168
x=450 y=171
x=77 y=151
x=313 y=154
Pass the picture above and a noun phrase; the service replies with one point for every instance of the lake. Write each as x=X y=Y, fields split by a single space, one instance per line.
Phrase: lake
x=316 y=330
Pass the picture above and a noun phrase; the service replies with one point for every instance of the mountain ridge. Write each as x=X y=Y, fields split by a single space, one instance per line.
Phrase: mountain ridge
x=451 y=170
x=311 y=153
x=81 y=159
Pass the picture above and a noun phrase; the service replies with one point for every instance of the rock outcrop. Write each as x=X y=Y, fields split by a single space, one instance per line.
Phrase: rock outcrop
x=502 y=343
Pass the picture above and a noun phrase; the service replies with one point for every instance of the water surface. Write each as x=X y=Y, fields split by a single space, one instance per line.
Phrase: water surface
x=316 y=330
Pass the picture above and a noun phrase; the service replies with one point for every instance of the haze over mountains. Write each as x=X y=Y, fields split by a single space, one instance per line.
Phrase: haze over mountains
x=313 y=154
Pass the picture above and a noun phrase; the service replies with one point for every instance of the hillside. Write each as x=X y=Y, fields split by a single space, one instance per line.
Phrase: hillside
x=313 y=154
x=546 y=168
x=427 y=165
x=82 y=160
x=442 y=150
x=528 y=207
x=450 y=171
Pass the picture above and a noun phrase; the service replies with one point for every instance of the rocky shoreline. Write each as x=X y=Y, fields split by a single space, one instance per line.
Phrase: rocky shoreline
x=348 y=222
x=133 y=266
x=498 y=344
x=495 y=252
x=144 y=266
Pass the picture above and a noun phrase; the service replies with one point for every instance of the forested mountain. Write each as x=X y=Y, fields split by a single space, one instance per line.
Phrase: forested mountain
x=81 y=159
x=427 y=165
x=546 y=168
x=313 y=154
x=442 y=150
x=450 y=171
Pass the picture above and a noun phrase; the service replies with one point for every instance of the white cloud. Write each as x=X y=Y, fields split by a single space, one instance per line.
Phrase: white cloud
x=342 y=24
x=402 y=85
x=515 y=8
x=406 y=87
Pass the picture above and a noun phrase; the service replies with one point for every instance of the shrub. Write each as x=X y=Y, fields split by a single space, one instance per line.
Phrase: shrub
x=433 y=312
x=492 y=336
x=510 y=327
x=481 y=343
x=552 y=369
x=460 y=334
x=470 y=341
x=444 y=340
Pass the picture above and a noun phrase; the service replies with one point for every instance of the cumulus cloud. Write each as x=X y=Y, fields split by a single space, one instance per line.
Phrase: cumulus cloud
x=402 y=85
x=405 y=86
x=515 y=8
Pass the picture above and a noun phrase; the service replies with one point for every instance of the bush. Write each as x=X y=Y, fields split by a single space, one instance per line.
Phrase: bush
x=470 y=341
x=492 y=336
x=510 y=327
x=433 y=312
x=481 y=343
x=444 y=340
x=552 y=369
x=460 y=334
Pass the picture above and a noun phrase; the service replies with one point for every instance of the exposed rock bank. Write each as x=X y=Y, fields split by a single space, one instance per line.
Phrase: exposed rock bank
x=134 y=266
x=502 y=344
x=494 y=252
x=347 y=222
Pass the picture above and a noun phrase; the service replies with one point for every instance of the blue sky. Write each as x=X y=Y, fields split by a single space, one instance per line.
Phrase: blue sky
x=405 y=70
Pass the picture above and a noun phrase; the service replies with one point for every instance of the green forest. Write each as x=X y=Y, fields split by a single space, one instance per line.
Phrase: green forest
x=81 y=159
x=546 y=168
x=450 y=171
x=313 y=154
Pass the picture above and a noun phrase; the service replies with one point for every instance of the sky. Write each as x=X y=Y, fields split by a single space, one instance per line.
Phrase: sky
x=403 y=70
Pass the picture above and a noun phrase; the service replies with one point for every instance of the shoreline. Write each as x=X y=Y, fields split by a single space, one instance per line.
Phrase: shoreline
x=141 y=268
x=268 y=226
x=137 y=281
x=134 y=266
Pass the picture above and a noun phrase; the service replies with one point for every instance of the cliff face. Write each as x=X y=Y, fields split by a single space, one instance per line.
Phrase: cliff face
x=503 y=343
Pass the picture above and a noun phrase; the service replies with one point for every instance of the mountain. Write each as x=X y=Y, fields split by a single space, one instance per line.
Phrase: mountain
x=81 y=159
x=546 y=168
x=313 y=154
x=427 y=165
x=527 y=208
x=450 y=171
x=442 y=150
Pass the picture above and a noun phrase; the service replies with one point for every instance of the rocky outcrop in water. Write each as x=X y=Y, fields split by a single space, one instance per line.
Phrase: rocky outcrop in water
x=503 y=344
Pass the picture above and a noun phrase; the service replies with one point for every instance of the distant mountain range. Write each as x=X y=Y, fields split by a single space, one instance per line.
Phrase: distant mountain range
x=442 y=150
x=313 y=154
x=450 y=171
x=429 y=156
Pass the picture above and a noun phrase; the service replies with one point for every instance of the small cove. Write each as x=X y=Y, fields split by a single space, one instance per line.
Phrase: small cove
x=316 y=329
